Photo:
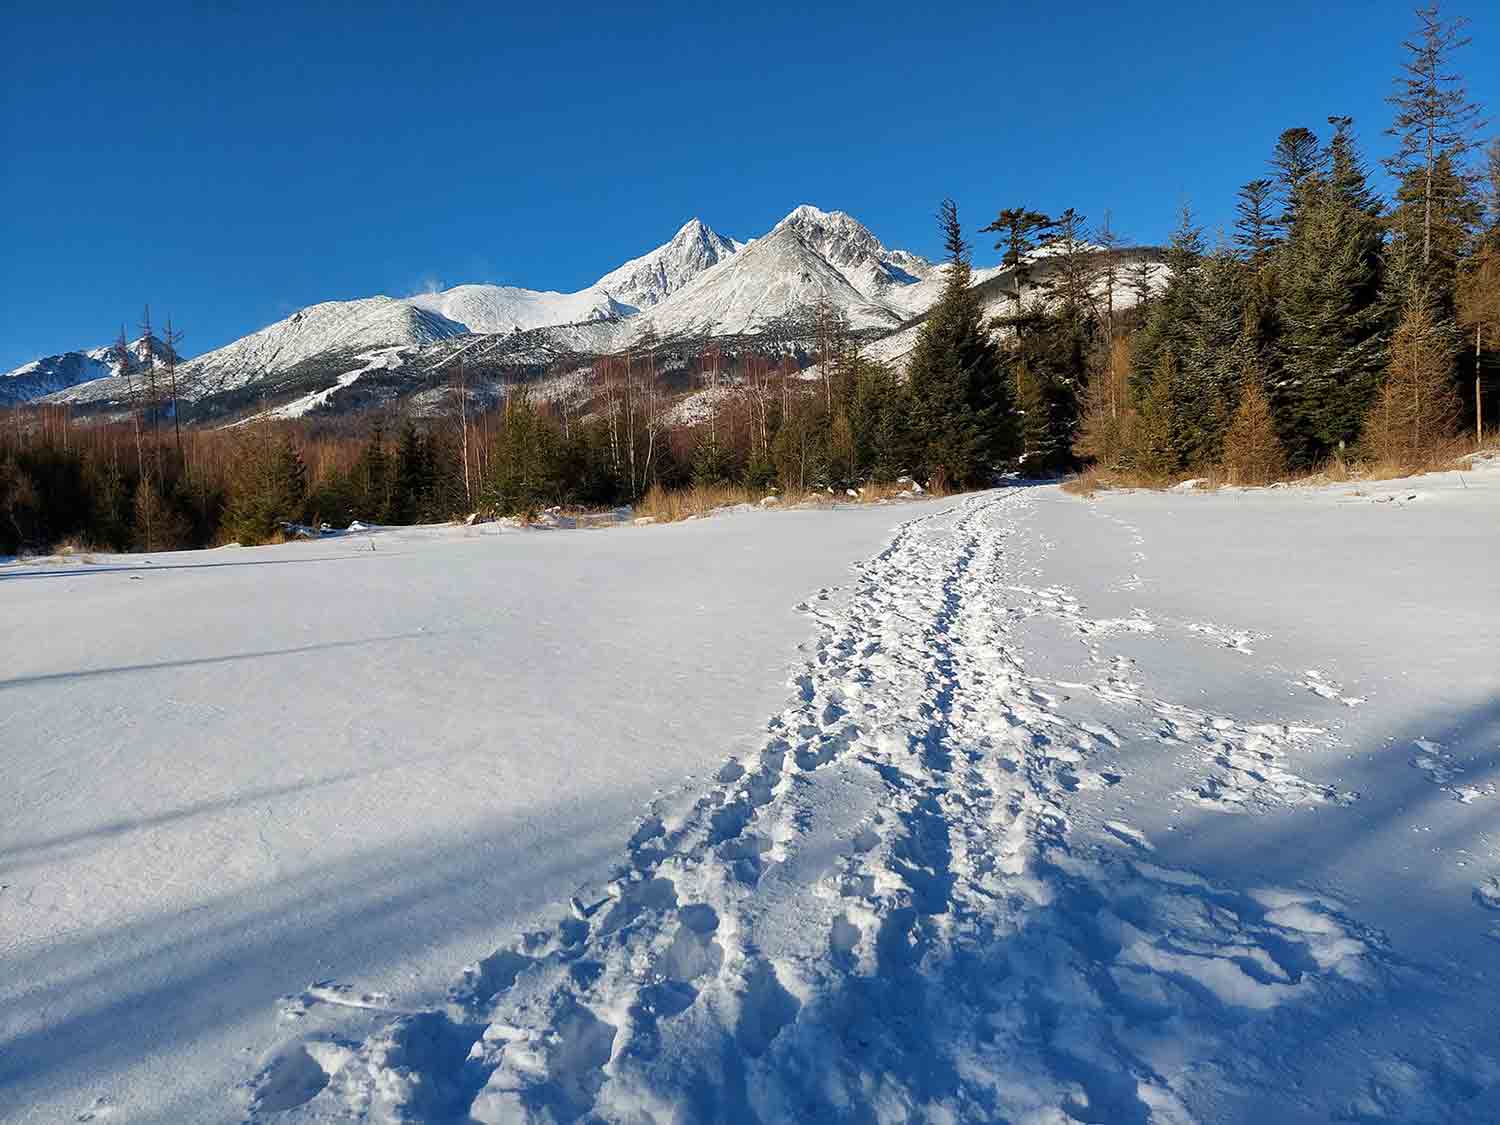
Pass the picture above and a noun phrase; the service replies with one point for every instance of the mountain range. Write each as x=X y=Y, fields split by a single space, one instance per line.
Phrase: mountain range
x=696 y=287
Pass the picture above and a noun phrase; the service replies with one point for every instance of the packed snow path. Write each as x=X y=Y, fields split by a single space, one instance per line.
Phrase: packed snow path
x=904 y=906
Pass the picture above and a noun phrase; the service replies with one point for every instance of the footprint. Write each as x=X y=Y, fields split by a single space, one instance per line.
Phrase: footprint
x=765 y=1007
x=294 y=1074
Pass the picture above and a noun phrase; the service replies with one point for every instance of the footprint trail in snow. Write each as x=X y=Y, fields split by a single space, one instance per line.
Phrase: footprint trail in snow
x=886 y=913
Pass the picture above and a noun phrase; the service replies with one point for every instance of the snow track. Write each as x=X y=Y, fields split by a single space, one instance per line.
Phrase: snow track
x=887 y=913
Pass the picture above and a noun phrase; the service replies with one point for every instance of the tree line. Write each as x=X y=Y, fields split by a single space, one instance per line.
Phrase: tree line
x=1332 y=322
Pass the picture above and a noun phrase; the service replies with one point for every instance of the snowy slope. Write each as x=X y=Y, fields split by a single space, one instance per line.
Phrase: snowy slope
x=55 y=373
x=505 y=308
x=313 y=332
x=774 y=277
x=848 y=246
x=651 y=278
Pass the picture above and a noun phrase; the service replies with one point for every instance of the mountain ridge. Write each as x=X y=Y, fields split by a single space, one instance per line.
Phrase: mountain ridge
x=696 y=286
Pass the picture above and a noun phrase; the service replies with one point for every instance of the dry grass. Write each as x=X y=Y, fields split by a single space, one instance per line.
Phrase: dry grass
x=1093 y=480
x=1444 y=457
x=670 y=505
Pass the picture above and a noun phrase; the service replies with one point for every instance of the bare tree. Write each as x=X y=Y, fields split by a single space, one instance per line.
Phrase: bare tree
x=125 y=359
x=148 y=363
x=170 y=340
x=1479 y=308
x=463 y=429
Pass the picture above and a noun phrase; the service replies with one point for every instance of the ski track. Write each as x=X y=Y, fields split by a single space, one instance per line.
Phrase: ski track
x=886 y=913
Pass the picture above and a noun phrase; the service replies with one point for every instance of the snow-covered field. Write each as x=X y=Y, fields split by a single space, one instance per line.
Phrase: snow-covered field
x=1154 y=808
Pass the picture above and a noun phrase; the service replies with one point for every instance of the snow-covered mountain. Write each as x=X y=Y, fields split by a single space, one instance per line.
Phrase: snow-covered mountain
x=337 y=330
x=775 y=277
x=849 y=247
x=697 y=284
x=327 y=329
x=652 y=278
x=55 y=373
x=506 y=308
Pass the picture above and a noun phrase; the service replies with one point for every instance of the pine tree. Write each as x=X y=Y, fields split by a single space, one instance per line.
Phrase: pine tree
x=1070 y=287
x=1255 y=226
x=1433 y=232
x=1156 y=448
x=1020 y=227
x=879 y=414
x=1141 y=279
x=1434 y=118
x=372 y=479
x=19 y=501
x=1218 y=348
x=526 y=463
x=268 y=488
x=1296 y=159
x=109 y=516
x=712 y=462
x=1334 y=326
x=415 y=474
x=1045 y=438
x=961 y=405
x=1161 y=351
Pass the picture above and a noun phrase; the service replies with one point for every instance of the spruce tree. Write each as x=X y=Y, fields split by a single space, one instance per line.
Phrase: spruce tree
x=268 y=487
x=962 y=411
x=879 y=418
x=1255 y=226
x=1161 y=350
x=1334 y=326
x=1217 y=350
x=525 y=474
x=1296 y=159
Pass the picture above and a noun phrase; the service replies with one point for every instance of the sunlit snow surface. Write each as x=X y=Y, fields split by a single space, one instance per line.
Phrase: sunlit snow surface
x=1153 y=808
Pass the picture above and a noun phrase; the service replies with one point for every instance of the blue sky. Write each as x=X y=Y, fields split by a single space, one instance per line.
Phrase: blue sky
x=232 y=162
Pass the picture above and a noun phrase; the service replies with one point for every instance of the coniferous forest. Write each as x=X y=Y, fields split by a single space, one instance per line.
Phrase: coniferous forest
x=1334 y=324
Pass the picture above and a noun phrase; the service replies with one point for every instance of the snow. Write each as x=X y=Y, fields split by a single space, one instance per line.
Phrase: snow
x=774 y=277
x=379 y=359
x=60 y=372
x=653 y=277
x=1048 y=821
x=506 y=308
x=233 y=773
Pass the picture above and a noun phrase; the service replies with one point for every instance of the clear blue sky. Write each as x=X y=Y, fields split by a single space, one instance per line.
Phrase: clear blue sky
x=231 y=162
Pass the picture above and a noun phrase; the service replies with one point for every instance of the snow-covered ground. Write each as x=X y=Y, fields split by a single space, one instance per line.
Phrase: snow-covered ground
x=1152 y=808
